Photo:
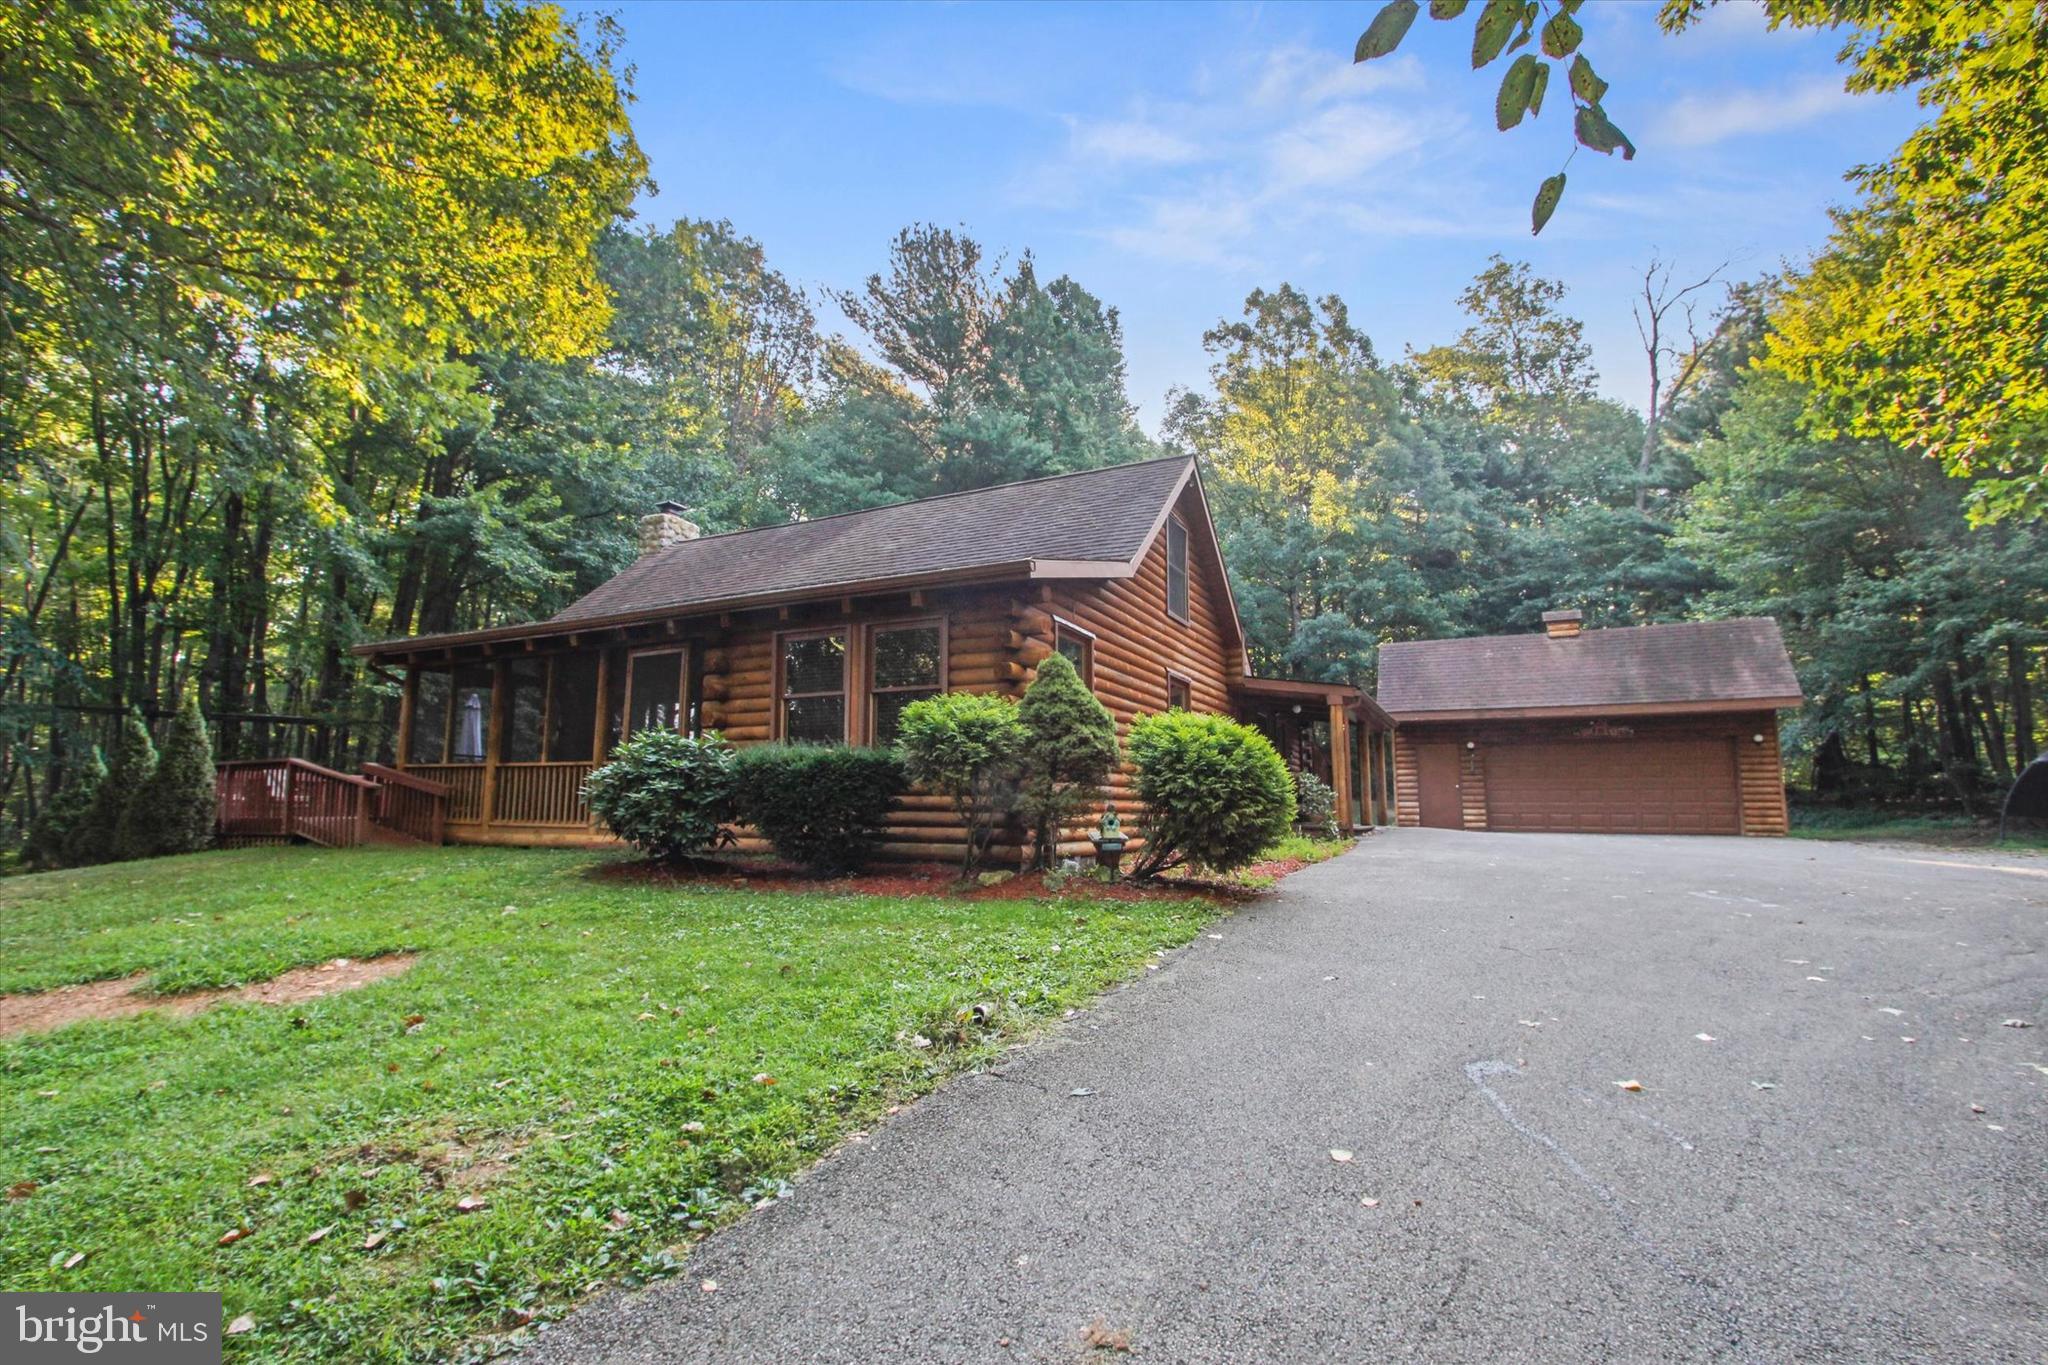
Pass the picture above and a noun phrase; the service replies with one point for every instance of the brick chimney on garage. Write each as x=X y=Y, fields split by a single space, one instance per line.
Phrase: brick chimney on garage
x=665 y=526
x=1561 y=625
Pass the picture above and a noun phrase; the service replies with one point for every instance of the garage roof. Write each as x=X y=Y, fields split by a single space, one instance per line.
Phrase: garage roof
x=1693 y=665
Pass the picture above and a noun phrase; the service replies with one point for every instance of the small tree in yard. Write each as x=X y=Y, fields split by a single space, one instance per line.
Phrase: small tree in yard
x=665 y=793
x=965 y=745
x=97 y=838
x=173 y=812
x=63 y=812
x=1216 y=793
x=1070 y=746
x=824 y=806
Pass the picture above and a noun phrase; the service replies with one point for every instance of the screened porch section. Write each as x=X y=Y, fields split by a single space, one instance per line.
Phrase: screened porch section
x=513 y=738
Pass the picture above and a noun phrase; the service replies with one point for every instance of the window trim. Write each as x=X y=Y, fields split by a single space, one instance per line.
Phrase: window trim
x=1062 y=626
x=682 y=688
x=869 y=630
x=778 y=727
x=1187 y=589
x=1173 y=676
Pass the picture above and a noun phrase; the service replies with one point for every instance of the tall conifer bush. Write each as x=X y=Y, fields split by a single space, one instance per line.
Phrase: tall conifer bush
x=173 y=812
x=1069 y=750
x=97 y=839
x=63 y=812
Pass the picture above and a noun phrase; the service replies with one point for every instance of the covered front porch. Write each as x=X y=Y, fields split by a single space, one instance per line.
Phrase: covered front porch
x=1333 y=730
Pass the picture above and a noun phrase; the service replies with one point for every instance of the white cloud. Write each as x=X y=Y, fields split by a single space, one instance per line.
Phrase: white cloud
x=1703 y=120
x=1135 y=141
x=1335 y=146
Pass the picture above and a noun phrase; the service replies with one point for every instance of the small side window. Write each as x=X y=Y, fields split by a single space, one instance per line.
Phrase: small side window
x=1079 y=647
x=1180 y=693
x=1177 y=569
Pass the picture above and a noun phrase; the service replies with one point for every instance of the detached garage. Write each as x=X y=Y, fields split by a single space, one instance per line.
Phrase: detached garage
x=1643 y=730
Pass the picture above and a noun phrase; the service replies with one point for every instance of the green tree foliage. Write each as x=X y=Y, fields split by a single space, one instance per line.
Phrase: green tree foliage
x=965 y=746
x=107 y=833
x=824 y=806
x=64 y=812
x=1315 y=803
x=174 y=811
x=667 y=793
x=1070 y=746
x=1216 y=793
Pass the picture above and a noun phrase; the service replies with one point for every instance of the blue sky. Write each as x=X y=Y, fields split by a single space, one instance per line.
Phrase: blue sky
x=1173 y=157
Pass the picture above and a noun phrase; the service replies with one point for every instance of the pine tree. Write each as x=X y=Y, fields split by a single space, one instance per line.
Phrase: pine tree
x=1069 y=752
x=173 y=812
x=63 y=813
x=98 y=838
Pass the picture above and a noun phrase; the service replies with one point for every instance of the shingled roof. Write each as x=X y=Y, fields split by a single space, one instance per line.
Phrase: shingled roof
x=1093 y=524
x=1099 y=516
x=1708 y=664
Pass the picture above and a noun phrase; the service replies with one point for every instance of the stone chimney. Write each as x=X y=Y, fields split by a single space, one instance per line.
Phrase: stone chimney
x=1558 y=625
x=665 y=526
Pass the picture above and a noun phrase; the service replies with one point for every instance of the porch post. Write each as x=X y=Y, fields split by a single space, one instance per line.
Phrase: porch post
x=604 y=660
x=499 y=672
x=402 y=746
x=1370 y=741
x=1340 y=762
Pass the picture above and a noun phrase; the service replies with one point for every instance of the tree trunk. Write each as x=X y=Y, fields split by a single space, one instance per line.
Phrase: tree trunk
x=2021 y=692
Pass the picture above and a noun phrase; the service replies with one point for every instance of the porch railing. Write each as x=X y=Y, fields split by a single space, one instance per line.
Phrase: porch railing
x=465 y=784
x=541 y=794
x=284 y=798
x=409 y=804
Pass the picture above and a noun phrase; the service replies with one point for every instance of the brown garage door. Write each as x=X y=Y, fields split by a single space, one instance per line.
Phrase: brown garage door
x=1671 y=786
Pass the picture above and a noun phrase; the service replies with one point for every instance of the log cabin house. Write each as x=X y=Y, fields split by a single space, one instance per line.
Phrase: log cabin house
x=1666 y=729
x=823 y=630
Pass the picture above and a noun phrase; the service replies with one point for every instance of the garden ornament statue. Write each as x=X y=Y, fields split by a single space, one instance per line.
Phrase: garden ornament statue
x=1109 y=840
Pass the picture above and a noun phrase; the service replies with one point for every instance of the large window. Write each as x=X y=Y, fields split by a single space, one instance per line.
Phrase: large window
x=812 y=668
x=1176 y=569
x=654 y=690
x=1079 y=647
x=905 y=663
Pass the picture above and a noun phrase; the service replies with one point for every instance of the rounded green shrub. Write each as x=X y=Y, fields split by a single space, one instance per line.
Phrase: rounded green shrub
x=1216 y=792
x=666 y=793
x=1070 y=746
x=174 y=811
x=63 y=812
x=966 y=746
x=824 y=806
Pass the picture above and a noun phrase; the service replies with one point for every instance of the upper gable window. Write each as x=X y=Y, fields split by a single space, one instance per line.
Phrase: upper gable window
x=1177 y=569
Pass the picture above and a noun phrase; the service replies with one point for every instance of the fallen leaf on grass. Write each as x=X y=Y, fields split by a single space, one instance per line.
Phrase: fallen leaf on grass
x=21 y=1189
x=1632 y=1086
x=620 y=1219
x=76 y=1259
x=413 y=1022
x=232 y=1236
x=318 y=1235
x=470 y=1203
x=262 y=1178
x=374 y=1240
x=351 y=1200
x=245 y=1323
x=763 y=1078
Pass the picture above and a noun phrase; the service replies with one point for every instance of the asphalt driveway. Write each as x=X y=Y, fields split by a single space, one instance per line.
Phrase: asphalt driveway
x=1837 y=1151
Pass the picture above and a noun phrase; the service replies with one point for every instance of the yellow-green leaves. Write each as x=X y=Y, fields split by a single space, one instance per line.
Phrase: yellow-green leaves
x=1517 y=88
x=1561 y=36
x=1388 y=28
x=1547 y=196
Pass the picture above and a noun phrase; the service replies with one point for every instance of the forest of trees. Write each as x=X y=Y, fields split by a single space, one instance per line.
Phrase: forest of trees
x=301 y=345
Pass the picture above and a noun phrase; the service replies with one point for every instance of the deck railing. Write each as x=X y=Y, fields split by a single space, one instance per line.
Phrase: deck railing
x=283 y=798
x=409 y=804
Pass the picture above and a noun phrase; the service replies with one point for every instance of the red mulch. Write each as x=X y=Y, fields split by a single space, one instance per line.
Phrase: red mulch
x=908 y=879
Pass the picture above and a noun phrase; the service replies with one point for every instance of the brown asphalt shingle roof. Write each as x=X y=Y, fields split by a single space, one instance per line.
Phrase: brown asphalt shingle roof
x=1098 y=514
x=1694 y=661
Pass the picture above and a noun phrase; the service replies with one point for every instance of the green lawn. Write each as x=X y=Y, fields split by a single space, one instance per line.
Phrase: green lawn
x=1947 y=831
x=553 y=1052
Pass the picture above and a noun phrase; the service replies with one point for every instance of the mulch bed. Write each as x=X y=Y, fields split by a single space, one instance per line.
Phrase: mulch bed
x=914 y=879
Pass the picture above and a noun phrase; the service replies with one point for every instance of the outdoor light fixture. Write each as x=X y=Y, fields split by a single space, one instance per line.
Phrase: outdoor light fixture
x=1758 y=738
x=1471 y=743
x=1297 y=708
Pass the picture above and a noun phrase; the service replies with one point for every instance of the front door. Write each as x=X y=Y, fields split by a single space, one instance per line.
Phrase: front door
x=1436 y=768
